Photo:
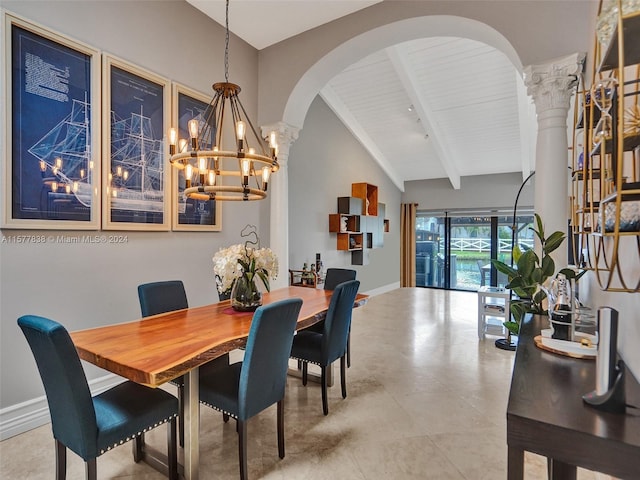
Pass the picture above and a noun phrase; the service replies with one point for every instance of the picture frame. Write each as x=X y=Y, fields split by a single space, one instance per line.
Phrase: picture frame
x=52 y=160
x=135 y=118
x=188 y=214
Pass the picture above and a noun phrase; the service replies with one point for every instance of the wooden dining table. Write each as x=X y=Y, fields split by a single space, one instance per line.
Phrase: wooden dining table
x=153 y=350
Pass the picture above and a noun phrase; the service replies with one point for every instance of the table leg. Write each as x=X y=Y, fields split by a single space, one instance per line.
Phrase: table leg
x=191 y=425
x=515 y=463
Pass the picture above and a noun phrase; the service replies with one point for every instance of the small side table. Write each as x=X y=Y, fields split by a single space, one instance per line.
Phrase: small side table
x=493 y=310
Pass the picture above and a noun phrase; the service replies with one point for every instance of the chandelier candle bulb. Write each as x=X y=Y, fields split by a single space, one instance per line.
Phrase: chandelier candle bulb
x=188 y=171
x=173 y=140
x=182 y=145
x=212 y=177
x=202 y=169
x=273 y=144
x=246 y=169
x=193 y=133
x=266 y=173
x=240 y=131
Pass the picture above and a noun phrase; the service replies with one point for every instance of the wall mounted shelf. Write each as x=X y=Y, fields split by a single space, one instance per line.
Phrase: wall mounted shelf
x=359 y=224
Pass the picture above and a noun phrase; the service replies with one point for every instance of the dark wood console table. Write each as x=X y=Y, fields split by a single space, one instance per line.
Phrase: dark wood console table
x=546 y=415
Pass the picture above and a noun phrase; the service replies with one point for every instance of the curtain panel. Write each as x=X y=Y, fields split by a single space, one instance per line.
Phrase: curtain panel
x=408 y=244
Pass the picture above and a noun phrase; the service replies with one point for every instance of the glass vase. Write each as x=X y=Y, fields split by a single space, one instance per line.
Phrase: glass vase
x=245 y=296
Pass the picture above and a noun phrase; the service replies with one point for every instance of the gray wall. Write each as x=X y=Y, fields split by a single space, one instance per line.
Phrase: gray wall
x=537 y=31
x=481 y=191
x=324 y=162
x=89 y=285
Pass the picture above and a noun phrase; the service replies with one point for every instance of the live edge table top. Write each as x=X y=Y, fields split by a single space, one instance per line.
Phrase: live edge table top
x=154 y=350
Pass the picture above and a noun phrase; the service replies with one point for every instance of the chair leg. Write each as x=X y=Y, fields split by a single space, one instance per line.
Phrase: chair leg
x=281 y=428
x=138 y=445
x=90 y=467
x=323 y=382
x=304 y=373
x=181 y=407
x=172 y=450
x=61 y=461
x=343 y=376
x=349 y=348
x=242 y=448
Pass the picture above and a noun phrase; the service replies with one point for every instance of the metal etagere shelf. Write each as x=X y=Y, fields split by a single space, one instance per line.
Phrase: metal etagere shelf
x=606 y=154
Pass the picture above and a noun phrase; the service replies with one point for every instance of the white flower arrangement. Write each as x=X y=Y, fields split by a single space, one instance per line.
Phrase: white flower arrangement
x=238 y=260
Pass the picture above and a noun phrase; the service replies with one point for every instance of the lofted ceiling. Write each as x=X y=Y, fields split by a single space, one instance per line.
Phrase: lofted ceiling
x=437 y=107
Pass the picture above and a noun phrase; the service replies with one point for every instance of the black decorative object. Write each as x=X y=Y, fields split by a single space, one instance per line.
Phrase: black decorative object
x=609 y=394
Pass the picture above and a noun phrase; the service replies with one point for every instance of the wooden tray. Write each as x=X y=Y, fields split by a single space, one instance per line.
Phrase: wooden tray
x=588 y=355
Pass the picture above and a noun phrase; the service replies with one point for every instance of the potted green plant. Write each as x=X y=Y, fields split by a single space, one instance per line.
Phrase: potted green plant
x=529 y=275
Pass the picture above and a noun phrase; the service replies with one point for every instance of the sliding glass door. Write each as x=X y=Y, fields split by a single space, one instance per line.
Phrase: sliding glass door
x=430 y=251
x=454 y=250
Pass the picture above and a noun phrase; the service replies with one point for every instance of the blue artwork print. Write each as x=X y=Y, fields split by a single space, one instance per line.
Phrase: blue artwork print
x=51 y=155
x=190 y=211
x=136 y=177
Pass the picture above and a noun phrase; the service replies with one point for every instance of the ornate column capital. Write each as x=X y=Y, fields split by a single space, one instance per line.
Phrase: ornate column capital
x=286 y=134
x=552 y=84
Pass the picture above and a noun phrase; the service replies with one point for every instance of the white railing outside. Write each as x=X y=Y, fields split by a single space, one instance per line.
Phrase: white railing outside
x=484 y=244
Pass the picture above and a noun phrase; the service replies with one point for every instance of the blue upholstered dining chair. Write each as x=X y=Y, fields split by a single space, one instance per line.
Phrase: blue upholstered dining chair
x=90 y=426
x=336 y=276
x=333 y=278
x=324 y=348
x=168 y=296
x=244 y=389
x=162 y=297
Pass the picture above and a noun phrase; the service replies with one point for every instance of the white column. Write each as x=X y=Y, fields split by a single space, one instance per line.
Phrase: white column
x=279 y=194
x=551 y=85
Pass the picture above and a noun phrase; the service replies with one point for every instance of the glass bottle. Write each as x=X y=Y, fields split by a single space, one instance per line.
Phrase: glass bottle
x=560 y=310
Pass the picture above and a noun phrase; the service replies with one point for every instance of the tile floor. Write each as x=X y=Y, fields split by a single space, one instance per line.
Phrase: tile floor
x=426 y=400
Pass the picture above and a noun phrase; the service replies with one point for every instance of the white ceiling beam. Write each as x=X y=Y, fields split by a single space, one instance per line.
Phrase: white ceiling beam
x=342 y=112
x=400 y=61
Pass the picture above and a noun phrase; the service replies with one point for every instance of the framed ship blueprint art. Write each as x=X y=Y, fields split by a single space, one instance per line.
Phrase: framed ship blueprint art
x=135 y=118
x=189 y=214
x=52 y=159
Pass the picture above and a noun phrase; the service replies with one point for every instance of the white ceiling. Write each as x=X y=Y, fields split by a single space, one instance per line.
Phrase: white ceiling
x=469 y=111
x=264 y=22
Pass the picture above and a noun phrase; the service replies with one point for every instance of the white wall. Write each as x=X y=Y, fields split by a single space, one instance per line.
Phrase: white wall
x=323 y=163
x=88 y=285
x=627 y=304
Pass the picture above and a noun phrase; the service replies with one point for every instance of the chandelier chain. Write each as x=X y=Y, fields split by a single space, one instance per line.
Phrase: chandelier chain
x=226 y=45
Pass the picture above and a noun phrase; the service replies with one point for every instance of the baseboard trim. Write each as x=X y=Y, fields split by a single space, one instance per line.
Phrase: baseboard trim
x=383 y=289
x=34 y=413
